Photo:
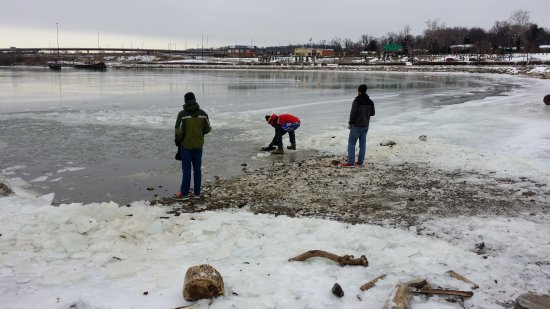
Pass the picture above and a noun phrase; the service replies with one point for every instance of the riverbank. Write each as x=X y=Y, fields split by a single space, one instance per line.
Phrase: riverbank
x=381 y=193
x=536 y=71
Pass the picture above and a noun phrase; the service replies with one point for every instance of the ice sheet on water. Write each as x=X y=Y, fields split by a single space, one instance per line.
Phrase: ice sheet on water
x=70 y=169
x=40 y=179
x=8 y=171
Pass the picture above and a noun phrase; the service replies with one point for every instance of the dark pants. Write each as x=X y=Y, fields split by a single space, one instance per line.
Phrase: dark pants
x=278 y=138
x=191 y=157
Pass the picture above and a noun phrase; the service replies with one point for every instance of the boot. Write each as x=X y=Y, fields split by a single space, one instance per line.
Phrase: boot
x=279 y=151
x=268 y=148
x=291 y=147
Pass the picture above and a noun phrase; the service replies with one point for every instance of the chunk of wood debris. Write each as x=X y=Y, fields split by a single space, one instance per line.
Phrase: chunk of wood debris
x=202 y=282
x=371 y=283
x=401 y=298
x=455 y=275
x=444 y=292
x=342 y=260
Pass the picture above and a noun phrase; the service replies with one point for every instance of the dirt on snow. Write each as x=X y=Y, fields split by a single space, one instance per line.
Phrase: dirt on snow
x=401 y=195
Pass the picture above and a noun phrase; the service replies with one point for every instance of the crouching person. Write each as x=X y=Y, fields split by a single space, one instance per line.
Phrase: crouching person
x=284 y=123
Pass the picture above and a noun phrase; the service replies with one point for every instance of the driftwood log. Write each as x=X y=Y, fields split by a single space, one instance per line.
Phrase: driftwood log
x=455 y=275
x=402 y=296
x=342 y=260
x=202 y=282
x=371 y=283
x=400 y=299
x=444 y=292
x=417 y=283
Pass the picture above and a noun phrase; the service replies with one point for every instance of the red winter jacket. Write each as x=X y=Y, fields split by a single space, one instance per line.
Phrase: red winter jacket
x=279 y=120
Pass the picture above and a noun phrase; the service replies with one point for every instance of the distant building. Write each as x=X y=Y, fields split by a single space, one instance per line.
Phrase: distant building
x=327 y=52
x=241 y=51
x=544 y=47
x=313 y=52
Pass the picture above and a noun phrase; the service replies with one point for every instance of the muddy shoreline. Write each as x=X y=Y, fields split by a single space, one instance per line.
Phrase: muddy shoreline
x=401 y=195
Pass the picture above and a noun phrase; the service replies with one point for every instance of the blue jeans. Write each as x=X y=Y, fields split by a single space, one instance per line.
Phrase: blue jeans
x=191 y=157
x=278 y=139
x=356 y=133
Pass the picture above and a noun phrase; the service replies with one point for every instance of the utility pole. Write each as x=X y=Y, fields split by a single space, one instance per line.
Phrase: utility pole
x=57 y=39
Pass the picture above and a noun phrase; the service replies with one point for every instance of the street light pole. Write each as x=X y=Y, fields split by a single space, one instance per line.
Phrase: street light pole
x=57 y=37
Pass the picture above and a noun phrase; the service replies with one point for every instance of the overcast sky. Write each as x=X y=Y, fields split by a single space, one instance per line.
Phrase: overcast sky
x=177 y=24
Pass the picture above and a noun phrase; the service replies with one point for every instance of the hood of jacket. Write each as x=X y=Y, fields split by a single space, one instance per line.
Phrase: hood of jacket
x=191 y=106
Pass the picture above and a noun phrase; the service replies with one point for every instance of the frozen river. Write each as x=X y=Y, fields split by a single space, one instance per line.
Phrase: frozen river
x=102 y=136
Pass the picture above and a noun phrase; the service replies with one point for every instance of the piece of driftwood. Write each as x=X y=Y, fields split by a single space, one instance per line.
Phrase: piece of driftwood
x=400 y=299
x=185 y=307
x=371 y=283
x=342 y=260
x=202 y=282
x=402 y=296
x=417 y=283
x=456 y=275
x=444 y=292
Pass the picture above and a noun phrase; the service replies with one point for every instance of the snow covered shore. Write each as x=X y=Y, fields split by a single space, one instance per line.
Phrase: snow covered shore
x=514 y=64
x=108 y=256
x=491 y=230
x=537 y=71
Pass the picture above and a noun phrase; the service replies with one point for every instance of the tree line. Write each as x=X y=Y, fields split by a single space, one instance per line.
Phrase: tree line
x=516 y=34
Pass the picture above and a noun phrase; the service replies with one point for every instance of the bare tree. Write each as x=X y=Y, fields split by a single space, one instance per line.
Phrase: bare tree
x=501 y=35
x=405 y=33
x=433 y=25
x=364 y=41
x=520 y=19
x=336 y=43
x=433 y=34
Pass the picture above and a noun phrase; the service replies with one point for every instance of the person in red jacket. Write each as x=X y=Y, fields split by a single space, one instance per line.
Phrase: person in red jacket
x=284 y=123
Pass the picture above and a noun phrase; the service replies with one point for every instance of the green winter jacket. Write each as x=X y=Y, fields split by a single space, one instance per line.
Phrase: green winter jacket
x=191 y=126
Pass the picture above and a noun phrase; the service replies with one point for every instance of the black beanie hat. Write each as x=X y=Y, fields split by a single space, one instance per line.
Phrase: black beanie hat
x=189 y=96
x=267 y=117
x=362 y=88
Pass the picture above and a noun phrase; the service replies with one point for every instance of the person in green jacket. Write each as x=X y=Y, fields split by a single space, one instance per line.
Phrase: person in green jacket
x=191 y=126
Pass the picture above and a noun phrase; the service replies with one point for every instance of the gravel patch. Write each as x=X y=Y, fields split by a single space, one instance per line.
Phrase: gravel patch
x=402 y=195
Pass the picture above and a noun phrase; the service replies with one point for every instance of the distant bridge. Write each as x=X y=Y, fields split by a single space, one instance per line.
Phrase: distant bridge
x=88 y=50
